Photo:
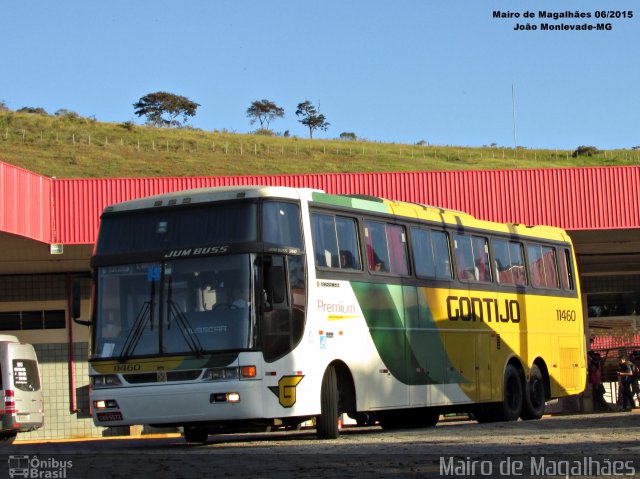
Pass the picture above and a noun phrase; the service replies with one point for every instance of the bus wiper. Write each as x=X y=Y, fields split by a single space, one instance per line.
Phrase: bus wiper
x=144 y=315
x=183 y=323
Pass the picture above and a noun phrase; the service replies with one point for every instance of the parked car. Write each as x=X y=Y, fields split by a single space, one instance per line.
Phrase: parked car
x=20 y=386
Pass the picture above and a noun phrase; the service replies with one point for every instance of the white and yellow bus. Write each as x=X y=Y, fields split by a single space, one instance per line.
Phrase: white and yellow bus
x=245 y=307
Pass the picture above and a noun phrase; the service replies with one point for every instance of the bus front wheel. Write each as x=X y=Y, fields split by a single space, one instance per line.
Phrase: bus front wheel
x=511 y=406
x=327 y=422
x=534 y=396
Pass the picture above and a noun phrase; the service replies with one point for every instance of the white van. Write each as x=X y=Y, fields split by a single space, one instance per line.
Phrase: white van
x=23 y=408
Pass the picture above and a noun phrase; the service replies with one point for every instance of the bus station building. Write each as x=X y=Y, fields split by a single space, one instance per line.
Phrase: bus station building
x=48 y=228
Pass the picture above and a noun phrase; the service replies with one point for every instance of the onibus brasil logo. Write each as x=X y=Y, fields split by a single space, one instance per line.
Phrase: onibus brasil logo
x=34 y=467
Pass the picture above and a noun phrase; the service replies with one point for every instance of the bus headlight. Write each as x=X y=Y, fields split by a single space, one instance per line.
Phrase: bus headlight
x=105 y=381
x=105 y=404
x=224 y=398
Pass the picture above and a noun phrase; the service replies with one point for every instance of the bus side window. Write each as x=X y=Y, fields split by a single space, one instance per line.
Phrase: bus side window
x=566 y=271
x=509 y=266
x=422 y=253
x=335 y=241
x=346 y=231
x=397 y=241
x=325 y=245
x=482 y=267
x=542 y=266
x=376 y=242
x=441 y=254
x=464 y=257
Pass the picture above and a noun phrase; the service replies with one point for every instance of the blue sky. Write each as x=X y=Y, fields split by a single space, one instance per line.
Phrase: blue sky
x=403 y=71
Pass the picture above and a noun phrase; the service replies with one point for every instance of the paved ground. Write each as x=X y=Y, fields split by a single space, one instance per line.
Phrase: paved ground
x=595 y=445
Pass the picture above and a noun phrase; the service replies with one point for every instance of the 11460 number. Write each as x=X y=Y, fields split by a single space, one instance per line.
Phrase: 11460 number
x=565 y=314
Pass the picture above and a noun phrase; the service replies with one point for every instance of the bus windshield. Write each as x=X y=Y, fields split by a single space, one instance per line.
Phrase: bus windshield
x=181 y=306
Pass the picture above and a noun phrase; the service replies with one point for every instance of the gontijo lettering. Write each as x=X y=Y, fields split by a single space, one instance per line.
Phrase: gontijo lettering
x=482 y=309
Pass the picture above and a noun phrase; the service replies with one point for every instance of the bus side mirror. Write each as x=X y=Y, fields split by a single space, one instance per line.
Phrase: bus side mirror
x=75 y=305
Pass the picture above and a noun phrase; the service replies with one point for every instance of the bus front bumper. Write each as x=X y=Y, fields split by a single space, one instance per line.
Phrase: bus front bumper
x=177 y=403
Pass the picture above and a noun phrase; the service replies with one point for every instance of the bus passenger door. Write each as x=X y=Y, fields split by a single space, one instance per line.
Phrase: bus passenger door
x=484 y=340
x=461 y=346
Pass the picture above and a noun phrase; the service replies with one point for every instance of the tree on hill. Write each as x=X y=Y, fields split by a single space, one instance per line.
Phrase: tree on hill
x=311 y=118
x=264 y=111
x=585 y=151
x=33 y=110
x=348 y=136
x=163 y=109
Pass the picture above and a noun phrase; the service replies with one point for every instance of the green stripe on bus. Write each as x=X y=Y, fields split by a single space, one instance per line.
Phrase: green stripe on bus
x=349 y=202
x=405 y=335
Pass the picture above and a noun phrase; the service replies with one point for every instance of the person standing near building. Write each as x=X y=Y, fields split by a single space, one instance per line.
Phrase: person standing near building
x=625 y=374
x=634 y=360
x=595 y=379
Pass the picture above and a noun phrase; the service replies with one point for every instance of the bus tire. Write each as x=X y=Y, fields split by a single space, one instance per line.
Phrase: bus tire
x=511 y=406
x=534 y=396
x=327 y=422
x=194 y=434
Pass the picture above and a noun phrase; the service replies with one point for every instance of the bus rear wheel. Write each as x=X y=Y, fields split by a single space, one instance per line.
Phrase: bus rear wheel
x=534 y=396
x=327 y=426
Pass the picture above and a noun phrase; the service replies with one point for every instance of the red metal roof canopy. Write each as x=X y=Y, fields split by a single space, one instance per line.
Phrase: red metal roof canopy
x=68 y=210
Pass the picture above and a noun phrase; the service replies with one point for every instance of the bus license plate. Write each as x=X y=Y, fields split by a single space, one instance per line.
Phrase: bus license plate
x=110 y=416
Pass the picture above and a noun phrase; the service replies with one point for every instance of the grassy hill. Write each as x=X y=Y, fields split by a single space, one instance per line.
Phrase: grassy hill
x=73 y=147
